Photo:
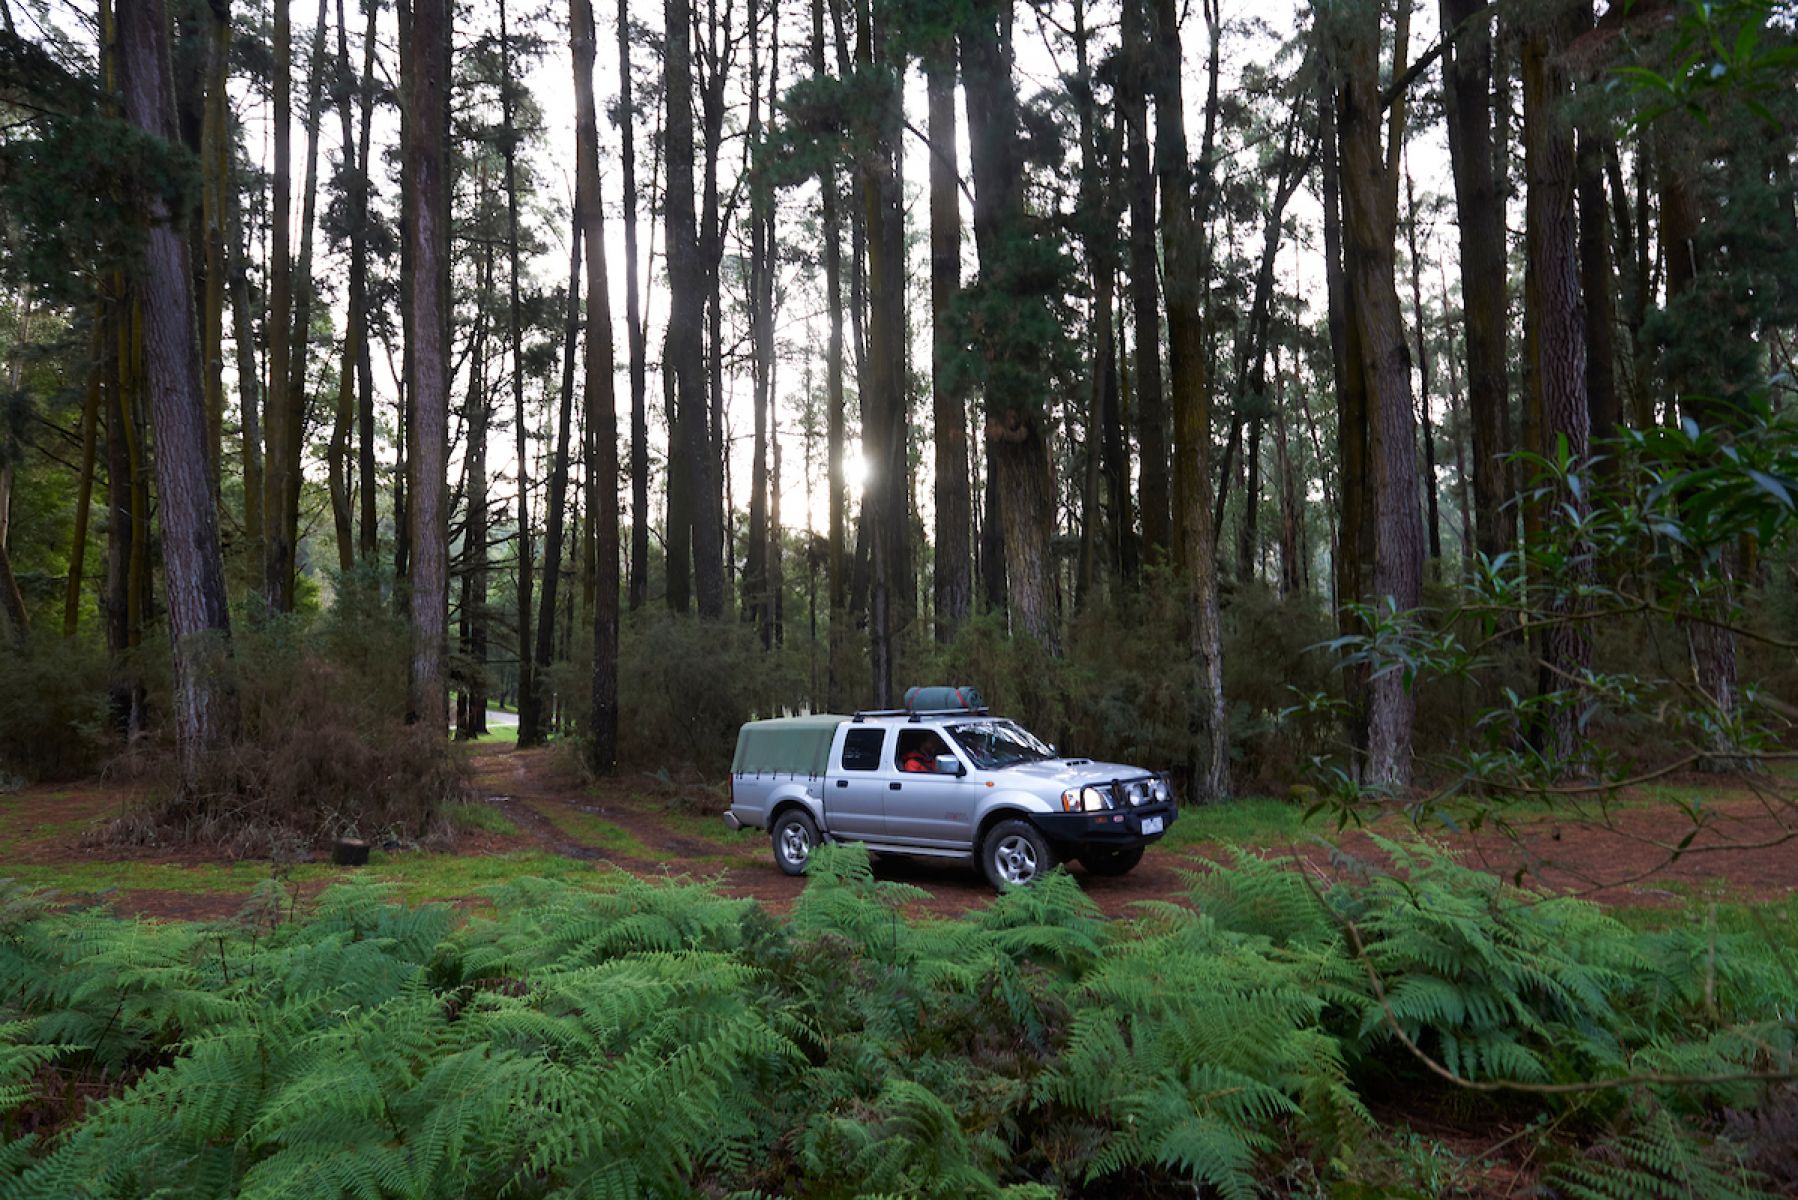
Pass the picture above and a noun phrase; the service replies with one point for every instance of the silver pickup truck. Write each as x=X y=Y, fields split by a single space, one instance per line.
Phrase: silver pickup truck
x=954 y=783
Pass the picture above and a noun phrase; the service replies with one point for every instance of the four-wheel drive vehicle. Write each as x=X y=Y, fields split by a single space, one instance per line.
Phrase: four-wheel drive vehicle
x=943 y=783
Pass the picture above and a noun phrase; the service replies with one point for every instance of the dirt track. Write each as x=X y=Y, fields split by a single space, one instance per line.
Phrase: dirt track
x=650 y=827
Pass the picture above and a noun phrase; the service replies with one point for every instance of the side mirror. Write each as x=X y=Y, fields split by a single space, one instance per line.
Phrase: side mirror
x=948 y=764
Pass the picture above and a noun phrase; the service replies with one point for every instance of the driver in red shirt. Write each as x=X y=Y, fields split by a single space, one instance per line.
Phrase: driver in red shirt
x=921 y=758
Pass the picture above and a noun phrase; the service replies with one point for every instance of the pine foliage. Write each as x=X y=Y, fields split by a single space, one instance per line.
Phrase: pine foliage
x=657 y=1039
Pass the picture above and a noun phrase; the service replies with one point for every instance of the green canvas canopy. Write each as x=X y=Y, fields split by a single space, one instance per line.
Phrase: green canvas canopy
x=786 y=745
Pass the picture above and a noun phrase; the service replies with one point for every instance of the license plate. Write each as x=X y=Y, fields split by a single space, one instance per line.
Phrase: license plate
x=1151 y=825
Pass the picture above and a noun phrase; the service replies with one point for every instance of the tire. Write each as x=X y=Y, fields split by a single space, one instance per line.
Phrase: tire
x=1015 y=854
x=795 y=836
x=1111 y=860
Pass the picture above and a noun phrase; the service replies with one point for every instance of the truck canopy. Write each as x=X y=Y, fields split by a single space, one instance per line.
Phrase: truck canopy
x=786 y=745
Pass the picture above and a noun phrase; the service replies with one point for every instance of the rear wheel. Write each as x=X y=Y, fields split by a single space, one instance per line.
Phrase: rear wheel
x=795 y=836
x=1015 y=854
x=1111 y=860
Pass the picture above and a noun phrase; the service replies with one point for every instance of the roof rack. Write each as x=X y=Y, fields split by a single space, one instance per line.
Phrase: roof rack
x=920 y=713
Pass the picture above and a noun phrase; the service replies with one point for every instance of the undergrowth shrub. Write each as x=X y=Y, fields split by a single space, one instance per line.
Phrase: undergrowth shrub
x=322 y=747
x=1125 y=688
x=655 y=1038
x=686 y=686
x=53 y=708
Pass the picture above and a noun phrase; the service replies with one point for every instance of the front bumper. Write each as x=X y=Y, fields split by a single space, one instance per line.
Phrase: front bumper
x=1114 y=827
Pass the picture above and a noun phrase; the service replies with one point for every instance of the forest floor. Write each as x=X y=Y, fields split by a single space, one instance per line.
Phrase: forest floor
x=533 y=814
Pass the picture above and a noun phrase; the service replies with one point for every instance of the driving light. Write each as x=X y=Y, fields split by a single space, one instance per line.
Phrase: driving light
x=1159 y=788
x=1085 y=799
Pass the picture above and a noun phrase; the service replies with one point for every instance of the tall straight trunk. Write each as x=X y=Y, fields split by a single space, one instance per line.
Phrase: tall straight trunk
x=885 y=506
x=1197 y=550
x=1458 y=415
x=281 y=497
x=1292 y=559
x=1559 y=339
x=1597 y=286
x=1354 y=529
x=1189 y=379
x=215 y=168
x=471 y=700
x=602 y=415
x=530 y=701
x=249 y=373
x=84 y=496
x=194 y=569
x=1122 y=546
x=368 y=534
x=1467 y=98
x=714 y=504
x=278 y=323
x=1145 y=290
x=343 y=423
x=556 y=502
x=685 y=355
x=1097 y=238
x=1017 y=433
x=1371 y=229
x=1432 y=500
x=426 y=87
x=954 y=582
x=760 y=281
x=635 y=330
x=836 y=690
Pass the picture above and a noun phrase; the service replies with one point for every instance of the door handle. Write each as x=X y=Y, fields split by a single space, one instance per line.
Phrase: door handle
x=894 y=786
x=842 y=783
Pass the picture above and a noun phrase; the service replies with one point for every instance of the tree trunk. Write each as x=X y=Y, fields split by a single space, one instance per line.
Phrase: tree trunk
x=342 y=426
x=556 y=500
x=760 y=301
x=1017 y=437
x=954 y=583
x=1371 y=228
x=471 y=702
x=84 y=496
x=1467 y=98
x=836 y=691
x=602 y=416
x=1597 y=287
x=249 y=378
x=426 y=88
x=1560 y=347
x=1181 y=236
x=215 y=168
x=278 y=323
x=636 y=331
x=883 y=402
x=1432 y=500
x=685 y=353
x=1145 y=291
x=368 y=535
x=194 y=573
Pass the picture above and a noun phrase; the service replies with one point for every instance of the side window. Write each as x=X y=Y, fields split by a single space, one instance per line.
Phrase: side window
x=861 y=749
x=917 y=750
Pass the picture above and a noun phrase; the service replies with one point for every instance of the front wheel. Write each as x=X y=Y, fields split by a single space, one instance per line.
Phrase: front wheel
x=1111 y=860
x=795 y=836
x=1015 y=854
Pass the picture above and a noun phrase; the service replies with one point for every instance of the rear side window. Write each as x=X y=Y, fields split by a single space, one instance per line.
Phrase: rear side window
x=861 y=749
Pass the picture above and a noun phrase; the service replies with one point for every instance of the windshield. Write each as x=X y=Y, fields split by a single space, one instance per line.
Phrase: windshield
x=995 y=744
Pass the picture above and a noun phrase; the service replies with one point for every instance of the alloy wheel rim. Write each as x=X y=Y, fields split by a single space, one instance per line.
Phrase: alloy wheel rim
x=1016 y=859
x=795 y=844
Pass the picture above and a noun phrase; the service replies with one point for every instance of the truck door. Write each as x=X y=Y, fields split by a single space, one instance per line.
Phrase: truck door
x=923 y=807
x=855 y=792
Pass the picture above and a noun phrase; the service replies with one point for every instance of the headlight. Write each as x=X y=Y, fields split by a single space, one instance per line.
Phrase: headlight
x=1085 y=799
x=1159 y=789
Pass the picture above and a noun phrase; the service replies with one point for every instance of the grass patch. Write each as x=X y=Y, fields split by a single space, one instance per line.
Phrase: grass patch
x=1250 y=821
x=591 y=829
x=477 y=817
